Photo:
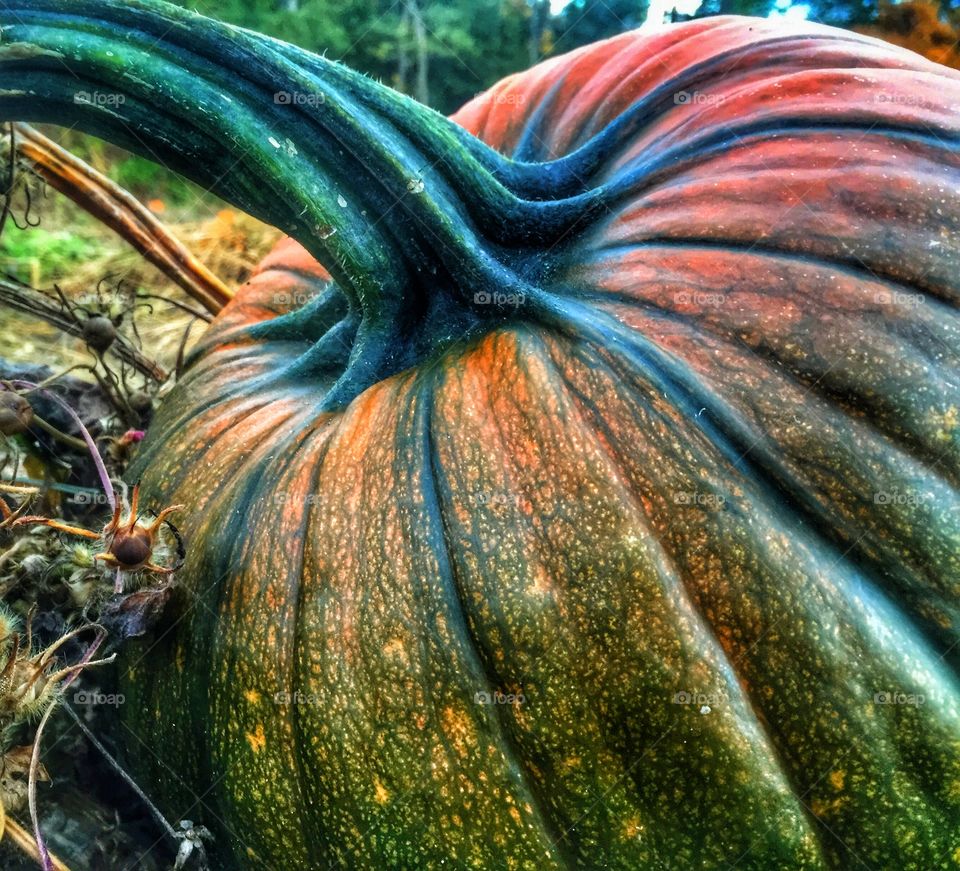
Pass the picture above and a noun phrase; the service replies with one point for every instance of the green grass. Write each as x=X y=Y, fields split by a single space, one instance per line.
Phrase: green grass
x=31 y=253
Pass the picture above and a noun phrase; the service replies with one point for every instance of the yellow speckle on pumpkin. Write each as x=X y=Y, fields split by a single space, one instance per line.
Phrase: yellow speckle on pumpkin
x=252 y=696
x=380 y=792
x=515 y=815
x=632 y=827
x=946 y=423
x=395 y=650
x=257 y=739
x=836 y=779
x=822 y=807
x=457 y=729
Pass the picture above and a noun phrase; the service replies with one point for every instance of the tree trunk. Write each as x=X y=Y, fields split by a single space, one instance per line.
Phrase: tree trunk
x=421 y=88
x=539 y=16
x=403 y=55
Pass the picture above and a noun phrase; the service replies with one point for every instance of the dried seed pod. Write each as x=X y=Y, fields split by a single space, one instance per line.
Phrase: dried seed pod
x=99 y=333
x=15 y=775
x=16 y=413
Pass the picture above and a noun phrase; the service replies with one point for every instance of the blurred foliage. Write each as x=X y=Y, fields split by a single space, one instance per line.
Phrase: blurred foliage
x=23 y=249
x=467 y=45
x=585 y=21
x=922 y=27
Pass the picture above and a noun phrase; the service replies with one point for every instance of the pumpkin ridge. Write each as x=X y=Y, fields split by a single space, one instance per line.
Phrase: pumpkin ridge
x=853 y=266
x=314 y=837
x=572 y=643
x=223 y=698
x=783 y=486
x=906 y=444
x=157 y=447
x=557 y=841
x=618 y=132
x=647 y=173
x=892 y=616
x=764 y=728
x=729 y=433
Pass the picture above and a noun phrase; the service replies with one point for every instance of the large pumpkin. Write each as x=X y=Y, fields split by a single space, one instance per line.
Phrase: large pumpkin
x=603 y=513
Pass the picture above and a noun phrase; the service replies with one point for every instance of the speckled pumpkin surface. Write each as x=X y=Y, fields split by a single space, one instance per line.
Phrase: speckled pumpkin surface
x=659 y=569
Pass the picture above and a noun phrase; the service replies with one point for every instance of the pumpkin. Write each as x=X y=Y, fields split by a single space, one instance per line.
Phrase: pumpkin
x=595 y=504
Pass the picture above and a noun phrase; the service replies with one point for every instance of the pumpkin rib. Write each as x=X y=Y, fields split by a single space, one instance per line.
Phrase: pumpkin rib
x=914 y=444
x=911 y=444
x=905 y=444
x=783 y=482
x=559 y=841
x=625 y=128
x=649 y=173
x=301 y=742
x=853 y=266
x=728 y=433
x=597 y=425
x=454 y=586
x=215 y=416
x=895 y=616
x=584 y=644
x=243 y=487
x=756 y=52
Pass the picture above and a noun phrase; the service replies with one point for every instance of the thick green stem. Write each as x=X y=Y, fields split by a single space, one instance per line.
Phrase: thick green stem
x=408 y=213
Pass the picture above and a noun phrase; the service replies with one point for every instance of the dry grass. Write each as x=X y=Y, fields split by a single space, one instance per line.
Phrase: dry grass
x=230 y=243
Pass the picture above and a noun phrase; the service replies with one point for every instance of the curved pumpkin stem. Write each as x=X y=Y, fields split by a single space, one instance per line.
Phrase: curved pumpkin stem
x=123 y=213
x=415 y=220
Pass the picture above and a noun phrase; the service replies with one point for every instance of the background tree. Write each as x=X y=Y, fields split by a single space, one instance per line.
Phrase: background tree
x=584 y=21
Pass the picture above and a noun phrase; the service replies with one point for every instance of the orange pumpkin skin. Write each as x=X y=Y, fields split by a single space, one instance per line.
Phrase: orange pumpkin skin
x=706 y=549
